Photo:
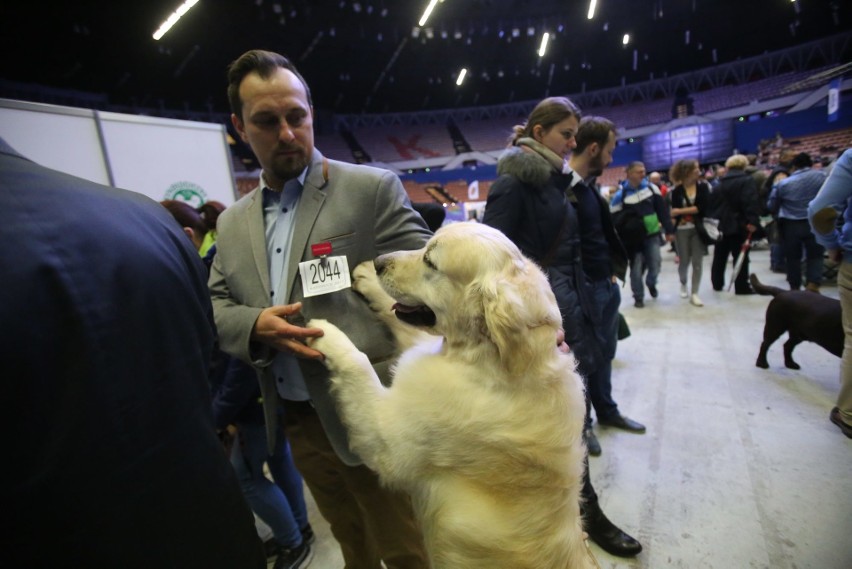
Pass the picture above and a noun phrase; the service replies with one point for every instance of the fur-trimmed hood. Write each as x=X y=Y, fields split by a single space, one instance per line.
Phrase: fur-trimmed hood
x=528 y=167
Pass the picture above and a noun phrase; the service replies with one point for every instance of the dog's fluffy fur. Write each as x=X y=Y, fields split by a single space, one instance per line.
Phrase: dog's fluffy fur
x=805 y=316
x=482 y=425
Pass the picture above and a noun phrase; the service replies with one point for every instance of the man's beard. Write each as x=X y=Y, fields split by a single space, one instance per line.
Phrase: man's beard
x=289 y=167
x=596 y=166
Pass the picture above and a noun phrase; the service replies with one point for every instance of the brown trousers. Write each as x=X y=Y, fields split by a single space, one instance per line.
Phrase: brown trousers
x=371 y=523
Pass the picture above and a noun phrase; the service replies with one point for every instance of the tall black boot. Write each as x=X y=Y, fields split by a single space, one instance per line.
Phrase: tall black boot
x=603 y=532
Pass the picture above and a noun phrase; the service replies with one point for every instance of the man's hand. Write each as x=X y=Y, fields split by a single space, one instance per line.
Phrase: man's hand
x=670 y=237
x=273 y=329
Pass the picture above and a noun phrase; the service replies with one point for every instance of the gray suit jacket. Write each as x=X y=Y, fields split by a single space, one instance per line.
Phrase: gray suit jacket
x=364 y=212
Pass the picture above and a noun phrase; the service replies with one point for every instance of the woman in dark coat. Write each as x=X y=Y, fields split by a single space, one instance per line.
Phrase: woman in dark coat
x=533 y=204
x=736 y=206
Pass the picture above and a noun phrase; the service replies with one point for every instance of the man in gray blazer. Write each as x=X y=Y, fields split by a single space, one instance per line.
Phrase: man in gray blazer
x=285 y=252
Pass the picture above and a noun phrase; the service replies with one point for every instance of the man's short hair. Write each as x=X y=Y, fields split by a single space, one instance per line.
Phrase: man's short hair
x=262 y=62
x=593 y=129
x=802 y=160
x=635 y=164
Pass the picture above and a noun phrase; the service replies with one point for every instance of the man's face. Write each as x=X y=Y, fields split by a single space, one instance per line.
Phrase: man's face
x=277 y=122
x=560 y=138
x=635 y=175
x=601 y=157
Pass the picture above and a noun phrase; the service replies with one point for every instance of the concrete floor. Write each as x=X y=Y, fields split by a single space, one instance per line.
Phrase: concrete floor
x=740 y=467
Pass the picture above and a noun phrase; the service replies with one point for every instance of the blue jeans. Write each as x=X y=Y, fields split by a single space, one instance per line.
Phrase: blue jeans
x=281 y=505
x=606 y=299
x=648 y=258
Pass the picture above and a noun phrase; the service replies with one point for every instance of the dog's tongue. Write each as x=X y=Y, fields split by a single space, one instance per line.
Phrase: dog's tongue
x=407 y=309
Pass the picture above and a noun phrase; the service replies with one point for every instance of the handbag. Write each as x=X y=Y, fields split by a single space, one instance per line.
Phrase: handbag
x=710 y=228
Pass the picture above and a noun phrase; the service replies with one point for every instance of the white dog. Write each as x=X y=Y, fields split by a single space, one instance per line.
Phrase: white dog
x=482 y=426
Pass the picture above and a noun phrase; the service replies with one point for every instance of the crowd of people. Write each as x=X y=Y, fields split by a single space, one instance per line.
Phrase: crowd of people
x=134 y=423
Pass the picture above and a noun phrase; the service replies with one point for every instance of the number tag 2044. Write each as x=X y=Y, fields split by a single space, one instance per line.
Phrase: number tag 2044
x=321 y=276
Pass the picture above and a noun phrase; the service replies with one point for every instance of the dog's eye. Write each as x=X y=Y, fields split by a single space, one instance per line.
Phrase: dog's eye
x=429 y=263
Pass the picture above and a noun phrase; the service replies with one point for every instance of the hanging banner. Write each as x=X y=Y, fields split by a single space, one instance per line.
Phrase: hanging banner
x=834 y=100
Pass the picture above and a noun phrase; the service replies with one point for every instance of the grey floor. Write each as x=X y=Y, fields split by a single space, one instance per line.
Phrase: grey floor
x=740 y=467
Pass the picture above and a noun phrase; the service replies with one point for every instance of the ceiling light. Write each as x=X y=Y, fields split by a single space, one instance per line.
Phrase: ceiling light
x=626 y=39
x=592 y=5
x=427 y=12
x=172 y=20
x=462 y=73
x=543 y=48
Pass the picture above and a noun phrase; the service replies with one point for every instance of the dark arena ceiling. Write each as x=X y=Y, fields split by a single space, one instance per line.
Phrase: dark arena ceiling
x=370 y=56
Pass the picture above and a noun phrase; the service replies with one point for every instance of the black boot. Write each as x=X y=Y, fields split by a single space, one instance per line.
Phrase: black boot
x=603 y=532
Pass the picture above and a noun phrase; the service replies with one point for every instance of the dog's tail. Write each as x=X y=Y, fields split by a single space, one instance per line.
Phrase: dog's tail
x=761 y=288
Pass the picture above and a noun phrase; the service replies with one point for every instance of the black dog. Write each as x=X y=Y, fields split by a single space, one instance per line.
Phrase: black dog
x=805 y=316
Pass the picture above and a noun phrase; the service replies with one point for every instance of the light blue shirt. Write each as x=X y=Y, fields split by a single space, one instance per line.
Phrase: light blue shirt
x=792 y=195
x=279 y=218
x=836 y=192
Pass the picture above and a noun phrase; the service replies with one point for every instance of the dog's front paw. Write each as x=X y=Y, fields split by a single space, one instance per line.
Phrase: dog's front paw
x=334 y=344
x=366 y=283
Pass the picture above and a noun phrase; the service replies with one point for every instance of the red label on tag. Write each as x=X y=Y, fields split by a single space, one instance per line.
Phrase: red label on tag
x=321 y=249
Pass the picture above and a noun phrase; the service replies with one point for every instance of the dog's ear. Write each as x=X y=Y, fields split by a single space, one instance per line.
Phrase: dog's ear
x=520 y=312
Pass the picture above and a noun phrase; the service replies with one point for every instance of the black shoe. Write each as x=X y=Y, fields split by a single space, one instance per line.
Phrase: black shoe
x=604 y=533
x=308 y=534
x=592 y=443
x=744 y=291
x=837 y=420
x=638 y=303
x=619 y=421
x=653 y=290
x=295 y=558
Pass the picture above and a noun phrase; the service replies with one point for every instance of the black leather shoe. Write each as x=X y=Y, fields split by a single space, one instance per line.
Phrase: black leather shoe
x=653 y=290
x=638 y=303
x=604 y=533
x=744 y=291
x=592 y=443
x=835 y=418
x=619 y=421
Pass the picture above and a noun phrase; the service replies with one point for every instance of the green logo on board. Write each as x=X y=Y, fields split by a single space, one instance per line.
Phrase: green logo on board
x=184 y=191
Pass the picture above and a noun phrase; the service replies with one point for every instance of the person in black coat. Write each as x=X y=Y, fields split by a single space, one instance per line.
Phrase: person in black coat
x=106 y=339
x=533 y=204
x=736 y=206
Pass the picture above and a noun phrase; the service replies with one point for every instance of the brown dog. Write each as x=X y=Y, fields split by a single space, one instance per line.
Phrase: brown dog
x=805 y=316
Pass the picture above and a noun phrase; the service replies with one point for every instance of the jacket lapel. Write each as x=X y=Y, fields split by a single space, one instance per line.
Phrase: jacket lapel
x=257 y=239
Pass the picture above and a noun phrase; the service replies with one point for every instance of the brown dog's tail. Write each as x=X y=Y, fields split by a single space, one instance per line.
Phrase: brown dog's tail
x=763 y=289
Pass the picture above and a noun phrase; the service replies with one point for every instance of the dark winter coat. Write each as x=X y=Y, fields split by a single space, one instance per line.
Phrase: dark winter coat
x=735 y=203
x=531 y=204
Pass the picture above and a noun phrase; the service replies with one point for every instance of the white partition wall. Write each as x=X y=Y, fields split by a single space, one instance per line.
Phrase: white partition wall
x=62 y=138
x=166 y=158
x=161 y=158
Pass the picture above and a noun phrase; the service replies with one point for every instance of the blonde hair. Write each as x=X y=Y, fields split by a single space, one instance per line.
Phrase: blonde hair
x=737 y=162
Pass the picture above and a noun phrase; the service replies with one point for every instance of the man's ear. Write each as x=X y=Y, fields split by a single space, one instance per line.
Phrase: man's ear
x=239 y=127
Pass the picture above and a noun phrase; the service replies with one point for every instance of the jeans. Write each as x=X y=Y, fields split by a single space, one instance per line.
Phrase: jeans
x=691 y=250
x=796 y=234
x=281 y=505
x=606 y=299
x=648 y=258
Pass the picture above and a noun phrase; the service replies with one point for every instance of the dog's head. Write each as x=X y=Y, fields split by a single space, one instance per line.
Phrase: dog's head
x=471 y=284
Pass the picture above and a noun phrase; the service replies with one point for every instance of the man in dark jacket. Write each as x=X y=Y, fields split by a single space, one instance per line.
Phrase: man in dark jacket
x=107 y=337
x=604 y=261
x=640 y=213
x=735 y=204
